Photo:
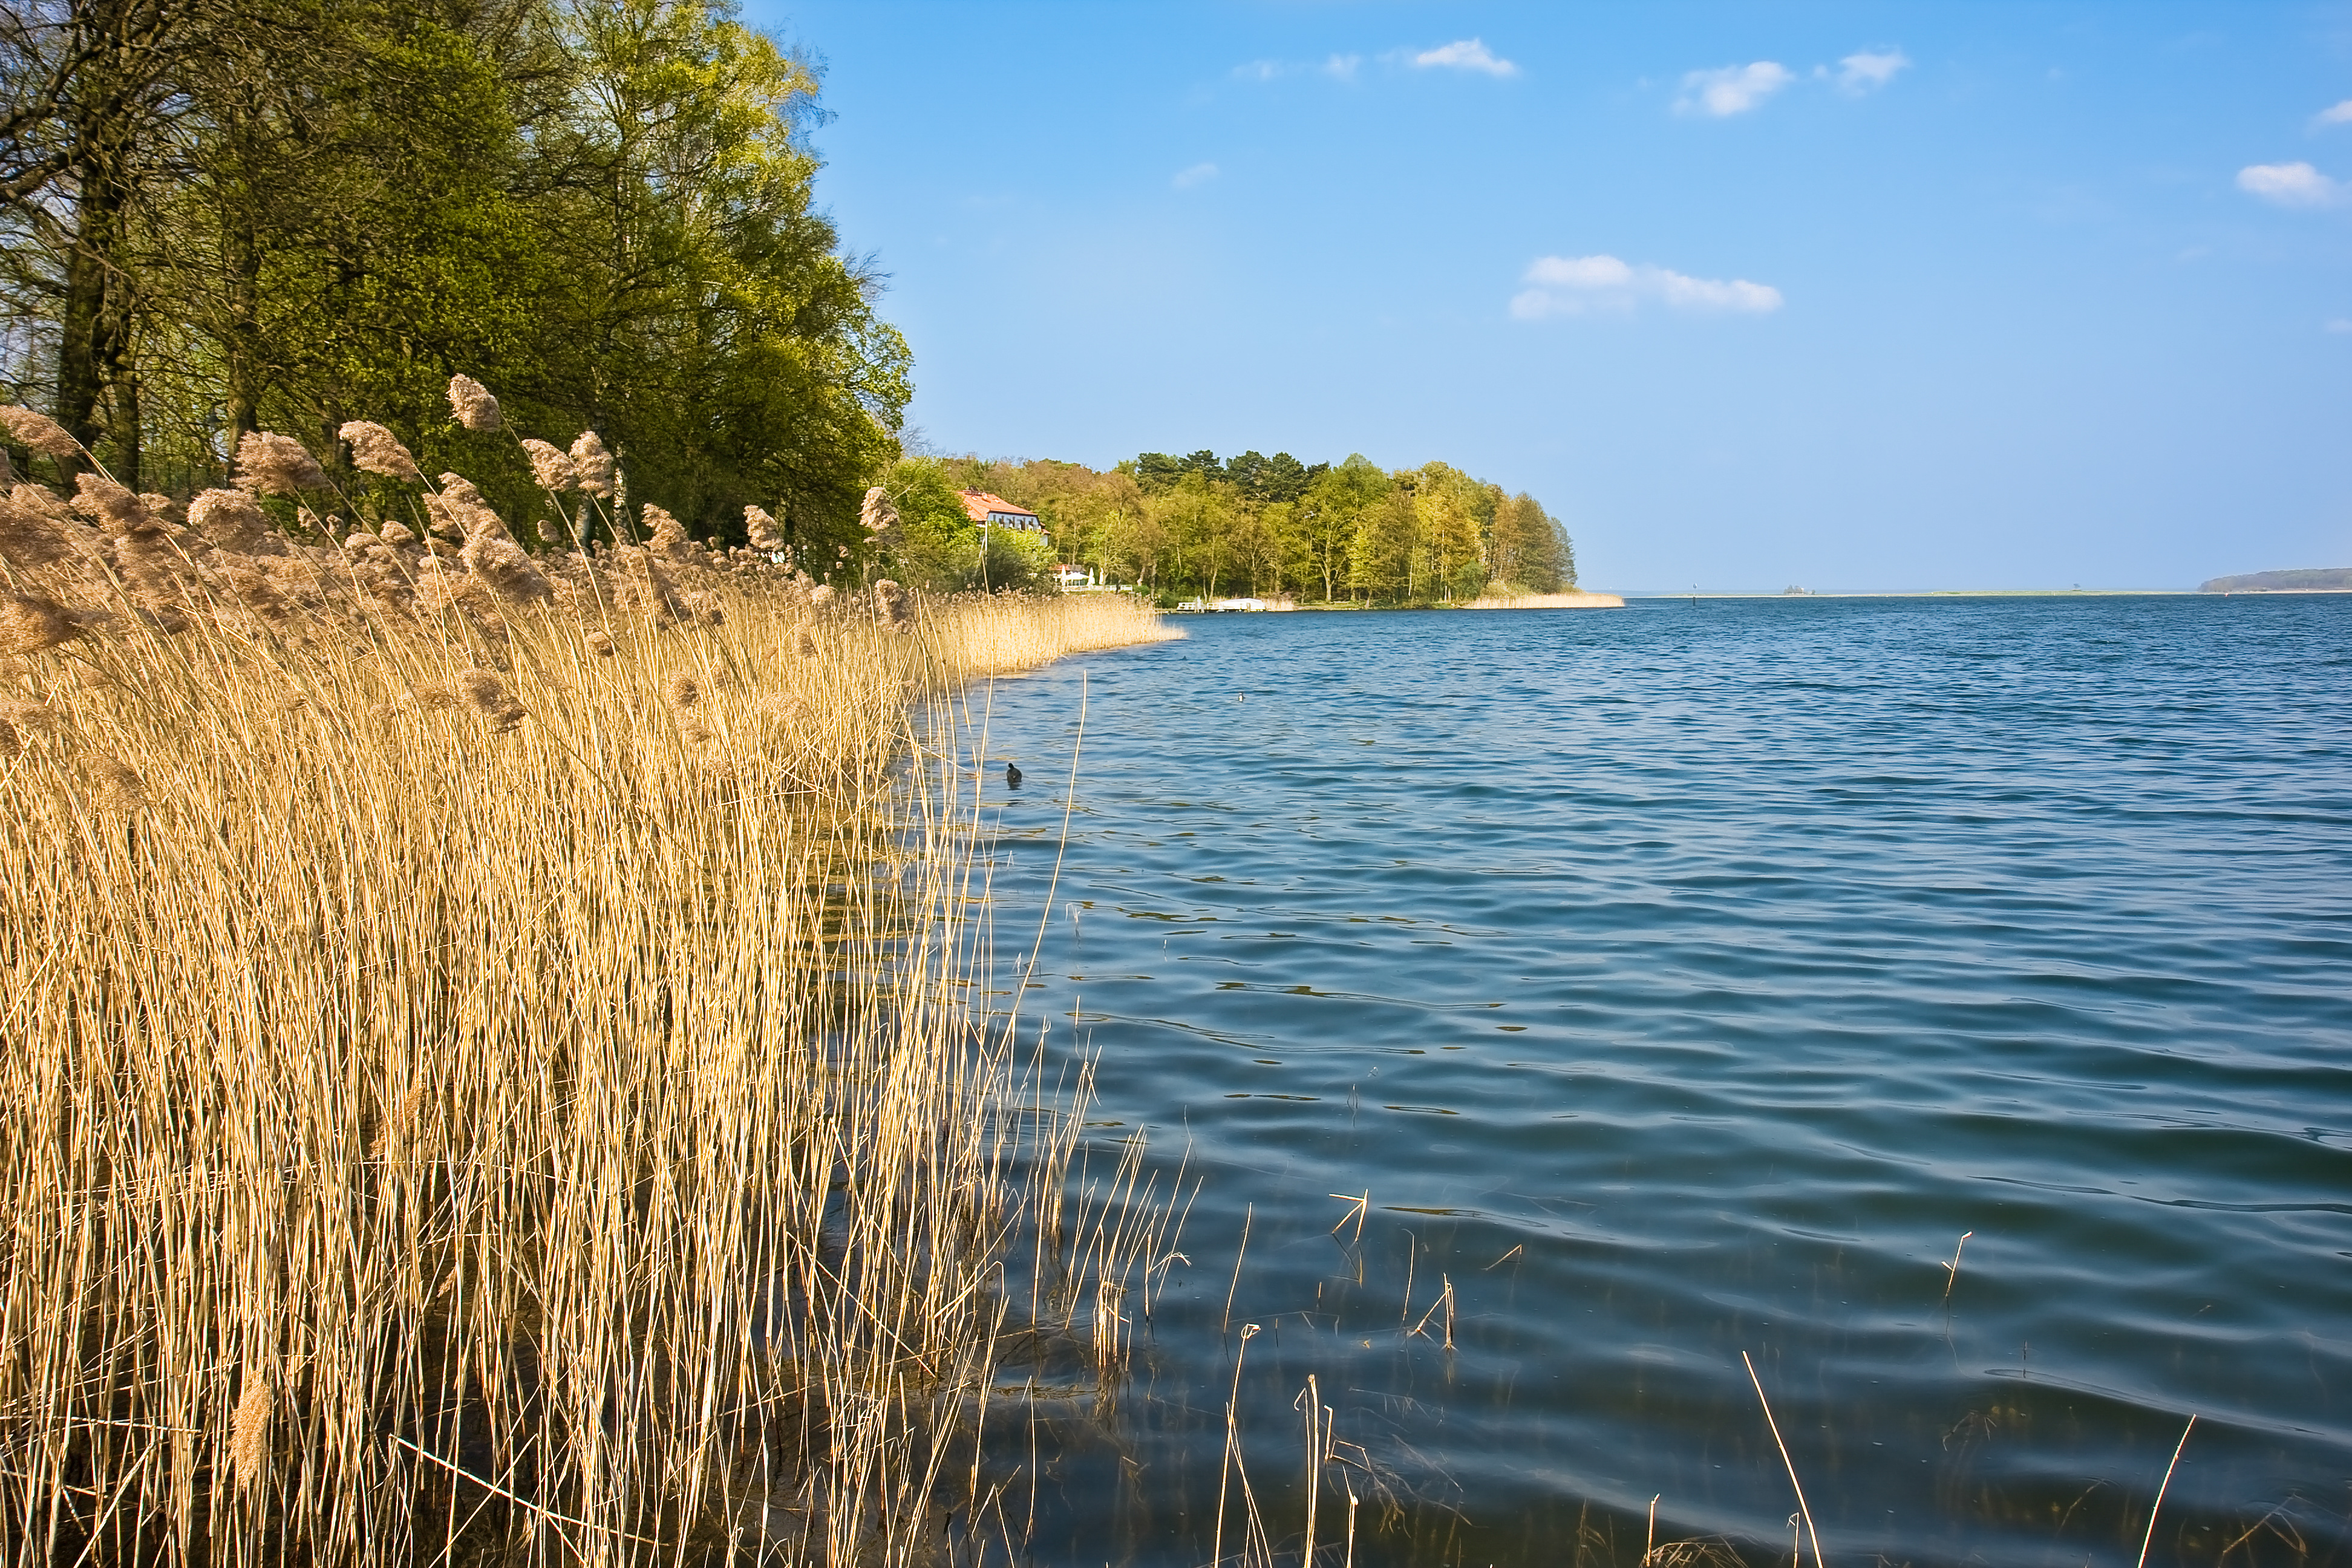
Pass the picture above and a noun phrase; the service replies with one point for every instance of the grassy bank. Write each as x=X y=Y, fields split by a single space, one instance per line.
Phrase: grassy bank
x=491 y=1075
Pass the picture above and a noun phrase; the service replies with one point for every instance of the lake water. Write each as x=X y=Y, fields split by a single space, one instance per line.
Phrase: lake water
x=1686 y=981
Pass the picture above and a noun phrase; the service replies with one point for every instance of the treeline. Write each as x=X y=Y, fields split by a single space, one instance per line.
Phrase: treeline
x=285 y=214
x=1264 y=527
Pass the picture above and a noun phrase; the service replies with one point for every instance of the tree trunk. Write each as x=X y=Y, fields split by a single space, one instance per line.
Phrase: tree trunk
x=89 y=342
x=243 y=330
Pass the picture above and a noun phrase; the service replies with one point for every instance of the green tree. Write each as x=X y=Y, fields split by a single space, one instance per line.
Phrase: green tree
x=1531 y=551
x=1281 y=478
x=1382 y=554
x=1198 y=517
x=1450 y=509
x=711 y=327
x=295 y=212
x=347 y=235
x=1327 y=514
x=87 y=98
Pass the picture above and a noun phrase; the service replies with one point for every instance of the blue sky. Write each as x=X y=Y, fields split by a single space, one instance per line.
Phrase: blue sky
x=1840 y=295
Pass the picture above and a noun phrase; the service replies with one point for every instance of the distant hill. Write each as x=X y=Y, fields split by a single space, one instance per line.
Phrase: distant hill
x=2302 y=580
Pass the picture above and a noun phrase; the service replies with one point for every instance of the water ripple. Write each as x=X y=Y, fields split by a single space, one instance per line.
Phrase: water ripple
x=1686 y=981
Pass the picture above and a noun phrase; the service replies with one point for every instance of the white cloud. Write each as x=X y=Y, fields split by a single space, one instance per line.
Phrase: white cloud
x=2338 y=325
x=1731 y=89
x=2339 y=115
x=1578 y=285
x=1466 y=55
x=1342 y=66
x=1868 y=70
x=1260 y=71
x=2291 y=186
x=1198 y=175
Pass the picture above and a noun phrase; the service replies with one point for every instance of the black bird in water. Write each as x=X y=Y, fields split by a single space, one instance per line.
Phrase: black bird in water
x=1011 y=776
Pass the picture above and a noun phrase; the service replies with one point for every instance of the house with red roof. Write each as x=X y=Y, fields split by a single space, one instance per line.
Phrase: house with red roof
x=995 y=512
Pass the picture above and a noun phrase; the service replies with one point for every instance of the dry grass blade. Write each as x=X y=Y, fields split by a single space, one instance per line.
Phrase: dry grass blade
x=2157 y=1506
x=1952 y=1269
x=1801 y=1507
x=1248 y=1214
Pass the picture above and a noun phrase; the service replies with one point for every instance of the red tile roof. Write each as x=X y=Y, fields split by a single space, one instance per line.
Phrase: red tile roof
x=978 y=504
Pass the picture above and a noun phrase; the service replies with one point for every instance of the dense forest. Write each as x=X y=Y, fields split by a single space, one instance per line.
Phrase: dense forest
x=285 y=214
x=1253 y=525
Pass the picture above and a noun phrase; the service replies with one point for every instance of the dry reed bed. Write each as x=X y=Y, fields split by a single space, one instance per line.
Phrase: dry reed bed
x=497 y=1079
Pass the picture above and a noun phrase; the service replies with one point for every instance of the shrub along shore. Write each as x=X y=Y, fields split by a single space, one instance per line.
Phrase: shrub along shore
x=492 y=1064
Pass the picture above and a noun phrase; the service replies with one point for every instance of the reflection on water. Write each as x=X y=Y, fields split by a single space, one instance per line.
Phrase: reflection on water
x=1686 y=981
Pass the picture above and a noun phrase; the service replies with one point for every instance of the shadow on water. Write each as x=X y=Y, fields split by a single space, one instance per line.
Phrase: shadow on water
x=1562 y=1005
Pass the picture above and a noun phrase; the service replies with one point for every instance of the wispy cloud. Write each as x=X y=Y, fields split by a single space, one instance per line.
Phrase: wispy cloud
x=1868 y=70
x=1731 y=89
x=2339 y=115
x=1582 y=285
x=1342 y=66
x=2338 y=325
x=1198 y=175
x=2293 y=185
x=1465 y=55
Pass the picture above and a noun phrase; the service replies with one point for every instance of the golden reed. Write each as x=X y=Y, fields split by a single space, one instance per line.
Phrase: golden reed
x=493 y=1074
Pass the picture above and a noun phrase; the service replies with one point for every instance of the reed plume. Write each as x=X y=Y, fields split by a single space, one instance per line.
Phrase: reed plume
x=250 y=588
x=471 y=402
x=112 y=506
x=35 y=529
x=376 y=450
x=667 y=536
x=39 y=432
x=761 y=530
x=442 y=519
x=248 y=1446
x=591 y=466
x=488 y=694
x=32 y=624
x=229 y=519
x=272 y=465
x=468 y=512
x=32 y=716
x=507 y=567
x=550 y=466
x=877 y=515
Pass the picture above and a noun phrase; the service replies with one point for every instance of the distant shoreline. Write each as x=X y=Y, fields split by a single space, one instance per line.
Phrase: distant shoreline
x=1585 y=599
x=1982 y=594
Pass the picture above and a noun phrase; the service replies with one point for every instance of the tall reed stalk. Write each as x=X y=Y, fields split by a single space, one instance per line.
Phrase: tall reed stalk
x=516 y=1098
